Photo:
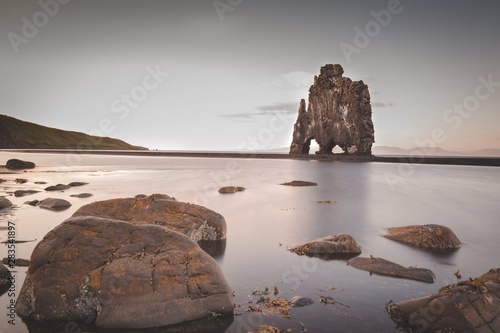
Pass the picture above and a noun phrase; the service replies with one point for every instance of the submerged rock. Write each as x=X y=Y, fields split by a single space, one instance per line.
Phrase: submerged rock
x=115 y=274
x=389 y=268
x=429 y=236
x=75 y=184
x=299 y=183
x=82 y=195
x=196 y=222
x=231 y=189
x=54 y=204
x=299 y=301
x=58 y=187
x=339 y=113
x=21 y=181
x=16 y=164
x=5 y=203
x=467 y=306
x=22 y=193
x=330 y=247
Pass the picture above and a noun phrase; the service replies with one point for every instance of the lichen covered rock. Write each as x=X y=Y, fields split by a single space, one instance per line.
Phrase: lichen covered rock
x=196 y=222
x=338 y=114
x=467 y=306
x=330 y=247
x=429 y=236
x=115 y=274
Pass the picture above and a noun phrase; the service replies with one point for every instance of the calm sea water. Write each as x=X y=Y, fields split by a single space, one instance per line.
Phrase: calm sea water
x=267 y=217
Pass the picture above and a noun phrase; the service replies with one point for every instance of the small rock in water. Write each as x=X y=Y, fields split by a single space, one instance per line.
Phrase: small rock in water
x=58 y=187
x=74 y=184
x=5 y=203
x=299 y=183
x=16 y=262
x=82 y=195
x=33 y=202
x=231 y=189
x=21 y=181
x=389 y=268
x=299 y=301
x=16 y=164
x=40 y=183
x=22 y=193
x=429 y=236
x=54 y=204
x=330 y=247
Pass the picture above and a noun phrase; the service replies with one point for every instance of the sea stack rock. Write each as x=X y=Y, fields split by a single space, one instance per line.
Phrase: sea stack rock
x=339 y=113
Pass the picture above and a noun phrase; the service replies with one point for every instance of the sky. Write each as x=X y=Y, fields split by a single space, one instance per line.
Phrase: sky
x=229 y=74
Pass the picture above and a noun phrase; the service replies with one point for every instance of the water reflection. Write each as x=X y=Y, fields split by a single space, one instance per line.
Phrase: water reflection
x=209 y=325
x=215 y=249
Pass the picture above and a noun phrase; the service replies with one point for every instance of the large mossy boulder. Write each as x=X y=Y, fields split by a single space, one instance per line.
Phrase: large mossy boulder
x=428 y=236
x=115 y=274
x=467 y=306
x=196 y=222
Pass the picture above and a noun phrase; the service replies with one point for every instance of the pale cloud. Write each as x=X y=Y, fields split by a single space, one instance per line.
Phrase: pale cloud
x=286 y=108
x=292 y=80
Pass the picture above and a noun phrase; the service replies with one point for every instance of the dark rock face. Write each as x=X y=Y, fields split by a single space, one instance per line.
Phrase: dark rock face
x=389 y=268
x=196 y=222
x=16 y=164
x=231 y=189
x=300 y=183
x=54 y=204
x=467 y=306
x=5 y=203
x=339 y=113
x=115 y=274
x=330 y=247
x=429 y=236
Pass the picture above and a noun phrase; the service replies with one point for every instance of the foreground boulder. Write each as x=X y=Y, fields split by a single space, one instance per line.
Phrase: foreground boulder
x=196 y=222
x=54 y=204
x=467 y=306
x=429 y=236
x=5 y=203
x=16 y=164
x=330 y=247
x=389 y=268
x=338 y=113
x=115 y=274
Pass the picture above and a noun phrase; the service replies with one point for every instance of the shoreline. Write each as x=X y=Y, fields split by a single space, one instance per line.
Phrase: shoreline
x=411 y=159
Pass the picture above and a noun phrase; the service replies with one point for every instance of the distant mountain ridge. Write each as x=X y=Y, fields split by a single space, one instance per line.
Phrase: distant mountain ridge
x=396 y=151
x=428 y=151
x=19 y=134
